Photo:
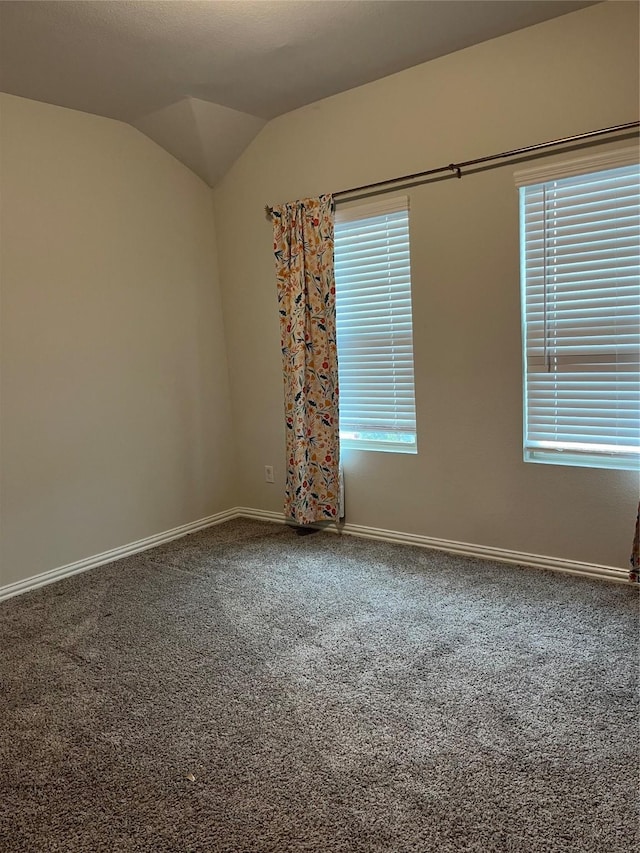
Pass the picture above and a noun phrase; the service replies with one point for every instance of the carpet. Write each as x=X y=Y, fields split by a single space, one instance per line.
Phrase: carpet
x=247 y=690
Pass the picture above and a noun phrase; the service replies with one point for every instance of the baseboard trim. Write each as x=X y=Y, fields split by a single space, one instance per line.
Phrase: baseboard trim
x=110 y=556
x=260 y=514
x=482 y=552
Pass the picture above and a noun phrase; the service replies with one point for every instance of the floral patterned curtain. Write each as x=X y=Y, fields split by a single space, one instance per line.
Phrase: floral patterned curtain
x=303 y=247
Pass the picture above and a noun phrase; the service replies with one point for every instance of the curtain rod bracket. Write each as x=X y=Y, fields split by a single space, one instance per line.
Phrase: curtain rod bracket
x=455 y=169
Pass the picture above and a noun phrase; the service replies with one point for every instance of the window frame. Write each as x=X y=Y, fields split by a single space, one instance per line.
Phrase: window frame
x=403 y=368
x=536 y=452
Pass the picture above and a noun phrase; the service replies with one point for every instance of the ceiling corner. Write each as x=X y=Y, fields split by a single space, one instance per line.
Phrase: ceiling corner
x=207 y=138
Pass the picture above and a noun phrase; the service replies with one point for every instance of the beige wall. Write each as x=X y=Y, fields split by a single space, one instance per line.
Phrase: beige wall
x=114 y=395
x=468 y=483
x=115 y=400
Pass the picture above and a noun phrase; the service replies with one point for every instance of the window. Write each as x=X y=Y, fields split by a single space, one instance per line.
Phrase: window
x=580 y=266
x=373 y=308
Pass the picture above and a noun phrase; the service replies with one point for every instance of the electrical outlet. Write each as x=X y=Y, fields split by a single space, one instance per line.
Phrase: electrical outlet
x=268 y=474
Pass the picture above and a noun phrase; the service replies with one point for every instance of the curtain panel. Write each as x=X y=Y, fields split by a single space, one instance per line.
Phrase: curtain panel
x=634 y=574
x=303 y=248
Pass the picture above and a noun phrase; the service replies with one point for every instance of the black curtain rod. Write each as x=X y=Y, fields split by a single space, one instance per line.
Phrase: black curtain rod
x=456 y=168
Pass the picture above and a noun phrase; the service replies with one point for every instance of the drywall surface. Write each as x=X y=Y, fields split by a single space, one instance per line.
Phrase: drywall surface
x=468 y=482
x=114 y=397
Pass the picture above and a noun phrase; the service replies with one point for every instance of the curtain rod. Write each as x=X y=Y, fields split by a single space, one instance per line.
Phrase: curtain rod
x=455 y=168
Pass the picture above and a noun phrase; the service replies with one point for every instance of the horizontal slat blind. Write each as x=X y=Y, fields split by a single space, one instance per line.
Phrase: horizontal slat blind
x=581 y=305
x=373 y=312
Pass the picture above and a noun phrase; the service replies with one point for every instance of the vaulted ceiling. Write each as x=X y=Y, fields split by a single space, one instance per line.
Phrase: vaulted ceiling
x=202 y=77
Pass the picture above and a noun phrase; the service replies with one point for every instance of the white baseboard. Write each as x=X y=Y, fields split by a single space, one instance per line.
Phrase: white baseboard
x=482 y=552
x=114 y=554
x=260 y=515
x=485 y=552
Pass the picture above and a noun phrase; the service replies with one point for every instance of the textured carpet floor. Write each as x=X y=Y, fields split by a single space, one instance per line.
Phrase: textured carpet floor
x=248 y=690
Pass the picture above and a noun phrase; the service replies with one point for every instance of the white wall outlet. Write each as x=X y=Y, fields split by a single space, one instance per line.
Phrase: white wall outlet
x=268 y=474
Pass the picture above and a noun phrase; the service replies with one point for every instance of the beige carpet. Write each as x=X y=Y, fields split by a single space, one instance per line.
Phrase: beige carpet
x=247 y=690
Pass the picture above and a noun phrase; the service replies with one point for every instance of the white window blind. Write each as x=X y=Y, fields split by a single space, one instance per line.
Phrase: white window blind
x=580 y=254
x=373 y=308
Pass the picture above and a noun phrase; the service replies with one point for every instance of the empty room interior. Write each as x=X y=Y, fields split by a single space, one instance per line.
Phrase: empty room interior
x=320 y=416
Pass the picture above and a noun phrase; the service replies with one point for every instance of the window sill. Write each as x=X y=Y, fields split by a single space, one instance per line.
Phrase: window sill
x=378 y=446
x=582 y=460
